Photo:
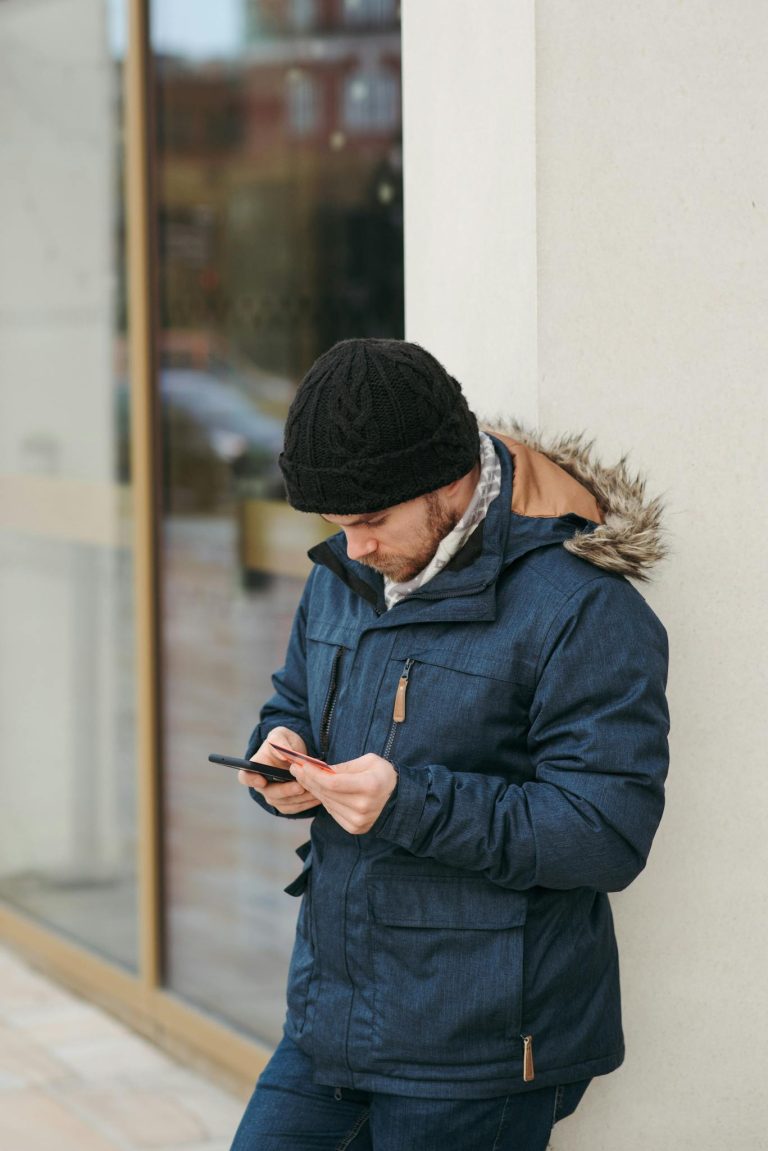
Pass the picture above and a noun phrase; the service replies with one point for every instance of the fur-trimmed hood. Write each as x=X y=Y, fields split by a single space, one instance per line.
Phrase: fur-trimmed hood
x=560 y=475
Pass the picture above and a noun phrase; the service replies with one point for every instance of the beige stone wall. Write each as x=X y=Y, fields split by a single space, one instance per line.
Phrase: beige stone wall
x=470 y=195
x=647 y=297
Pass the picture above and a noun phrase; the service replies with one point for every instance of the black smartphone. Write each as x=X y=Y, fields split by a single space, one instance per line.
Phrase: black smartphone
x=273 y=774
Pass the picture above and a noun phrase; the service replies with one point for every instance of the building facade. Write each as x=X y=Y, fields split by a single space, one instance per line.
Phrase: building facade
x=572 y=216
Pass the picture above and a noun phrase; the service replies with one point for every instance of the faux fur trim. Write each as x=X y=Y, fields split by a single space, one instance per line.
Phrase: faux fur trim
x=631 y=539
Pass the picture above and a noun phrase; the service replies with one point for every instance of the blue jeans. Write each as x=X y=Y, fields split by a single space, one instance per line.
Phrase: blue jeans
x=288 y=1112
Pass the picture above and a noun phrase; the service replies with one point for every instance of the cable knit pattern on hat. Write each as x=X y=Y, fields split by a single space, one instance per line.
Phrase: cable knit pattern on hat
x=375 y=423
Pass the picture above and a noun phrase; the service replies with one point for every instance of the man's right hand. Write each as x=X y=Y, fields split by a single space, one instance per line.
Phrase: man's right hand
x=287 y=798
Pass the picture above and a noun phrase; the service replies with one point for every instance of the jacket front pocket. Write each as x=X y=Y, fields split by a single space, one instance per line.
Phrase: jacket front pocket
x=447 y=960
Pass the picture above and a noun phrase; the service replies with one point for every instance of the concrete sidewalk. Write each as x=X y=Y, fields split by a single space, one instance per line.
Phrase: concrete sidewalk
x=74 y=1079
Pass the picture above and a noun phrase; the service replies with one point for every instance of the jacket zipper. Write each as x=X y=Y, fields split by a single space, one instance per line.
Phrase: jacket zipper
x=330 y=704
x=398 y=713
x=528 y=1072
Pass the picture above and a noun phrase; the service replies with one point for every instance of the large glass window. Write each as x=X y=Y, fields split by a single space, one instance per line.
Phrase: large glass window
x=280 y=232
x=67 y=685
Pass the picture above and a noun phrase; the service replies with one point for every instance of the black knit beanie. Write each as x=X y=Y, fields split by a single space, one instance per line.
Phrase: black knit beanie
x=375 y=423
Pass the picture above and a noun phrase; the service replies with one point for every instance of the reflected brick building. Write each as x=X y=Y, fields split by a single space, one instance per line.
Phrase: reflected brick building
x=281 y=184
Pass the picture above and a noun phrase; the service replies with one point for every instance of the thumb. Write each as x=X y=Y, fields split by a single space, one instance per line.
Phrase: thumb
x=288 y=738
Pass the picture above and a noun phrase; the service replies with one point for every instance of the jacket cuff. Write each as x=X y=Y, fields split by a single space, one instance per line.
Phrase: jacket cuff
x=399 y=821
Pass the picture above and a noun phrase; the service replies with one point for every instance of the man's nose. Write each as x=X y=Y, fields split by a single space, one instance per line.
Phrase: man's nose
x=359 y=543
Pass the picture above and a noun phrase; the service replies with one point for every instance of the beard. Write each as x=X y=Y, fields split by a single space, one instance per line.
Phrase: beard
x=440 y=519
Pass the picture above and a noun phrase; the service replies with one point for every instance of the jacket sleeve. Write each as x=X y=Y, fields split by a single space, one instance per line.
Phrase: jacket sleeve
x=288 y=706
x=597 y=743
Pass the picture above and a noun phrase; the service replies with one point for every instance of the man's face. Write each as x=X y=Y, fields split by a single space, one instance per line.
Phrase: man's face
x=399 y=541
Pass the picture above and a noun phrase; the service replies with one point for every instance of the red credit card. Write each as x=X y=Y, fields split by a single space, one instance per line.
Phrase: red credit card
x=299 y=756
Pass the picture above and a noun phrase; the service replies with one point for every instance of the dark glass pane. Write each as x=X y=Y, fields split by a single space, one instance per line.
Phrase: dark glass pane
x=67 y=631
x=280 y=232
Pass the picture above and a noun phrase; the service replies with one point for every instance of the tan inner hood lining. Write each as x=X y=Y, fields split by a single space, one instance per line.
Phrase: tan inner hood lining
x=541 y=488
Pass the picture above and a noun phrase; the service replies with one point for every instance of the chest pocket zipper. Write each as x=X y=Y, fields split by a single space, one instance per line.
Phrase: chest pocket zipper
x=398 y=713
x=330 y=704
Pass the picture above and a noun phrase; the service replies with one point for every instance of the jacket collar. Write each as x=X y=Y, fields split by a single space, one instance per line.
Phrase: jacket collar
x=465 y=588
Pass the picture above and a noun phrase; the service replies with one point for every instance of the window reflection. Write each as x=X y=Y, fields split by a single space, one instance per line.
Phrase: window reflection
x=303 y=94
x=371 y=100
x=67 y=716
x=369 y=11
x=280 y=232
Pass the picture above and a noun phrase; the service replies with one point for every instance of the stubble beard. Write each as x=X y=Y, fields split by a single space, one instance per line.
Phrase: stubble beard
x=440 y=520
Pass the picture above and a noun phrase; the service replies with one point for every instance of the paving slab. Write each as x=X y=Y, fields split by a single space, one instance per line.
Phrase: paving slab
x=72 y=1078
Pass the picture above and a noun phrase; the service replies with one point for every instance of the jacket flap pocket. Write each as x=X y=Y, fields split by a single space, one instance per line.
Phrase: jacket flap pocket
x=506 y=665
x=445 y=903
x=298 y=885
x=330 y=631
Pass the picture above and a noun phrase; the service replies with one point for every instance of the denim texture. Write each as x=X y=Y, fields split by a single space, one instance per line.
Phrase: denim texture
x=287 y=1112
x=531 y=767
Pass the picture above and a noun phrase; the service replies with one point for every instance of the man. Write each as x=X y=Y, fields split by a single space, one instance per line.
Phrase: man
x=489 y=688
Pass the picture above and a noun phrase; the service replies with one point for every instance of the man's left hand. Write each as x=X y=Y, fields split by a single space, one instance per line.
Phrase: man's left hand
x=355 y=793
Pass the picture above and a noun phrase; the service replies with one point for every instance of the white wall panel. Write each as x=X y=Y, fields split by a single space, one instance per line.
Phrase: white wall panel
x=470 y=215
x=652 y=124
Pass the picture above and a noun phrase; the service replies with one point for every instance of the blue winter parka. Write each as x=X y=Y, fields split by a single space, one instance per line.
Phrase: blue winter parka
x=464 y=946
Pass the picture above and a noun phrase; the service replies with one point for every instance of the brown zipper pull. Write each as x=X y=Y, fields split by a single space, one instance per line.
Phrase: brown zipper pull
x=528 y=1072
x=398 y=715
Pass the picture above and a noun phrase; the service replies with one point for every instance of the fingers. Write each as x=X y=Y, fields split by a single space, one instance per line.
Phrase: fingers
x=287 y=798
x=293 y=807
x=276 y=794
x=267 y=754
x=357 y=777
x=251 y=779
x=355 y=793
x=312 y=779
x=284 y=736
x=270 y=758
x=273 y=791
